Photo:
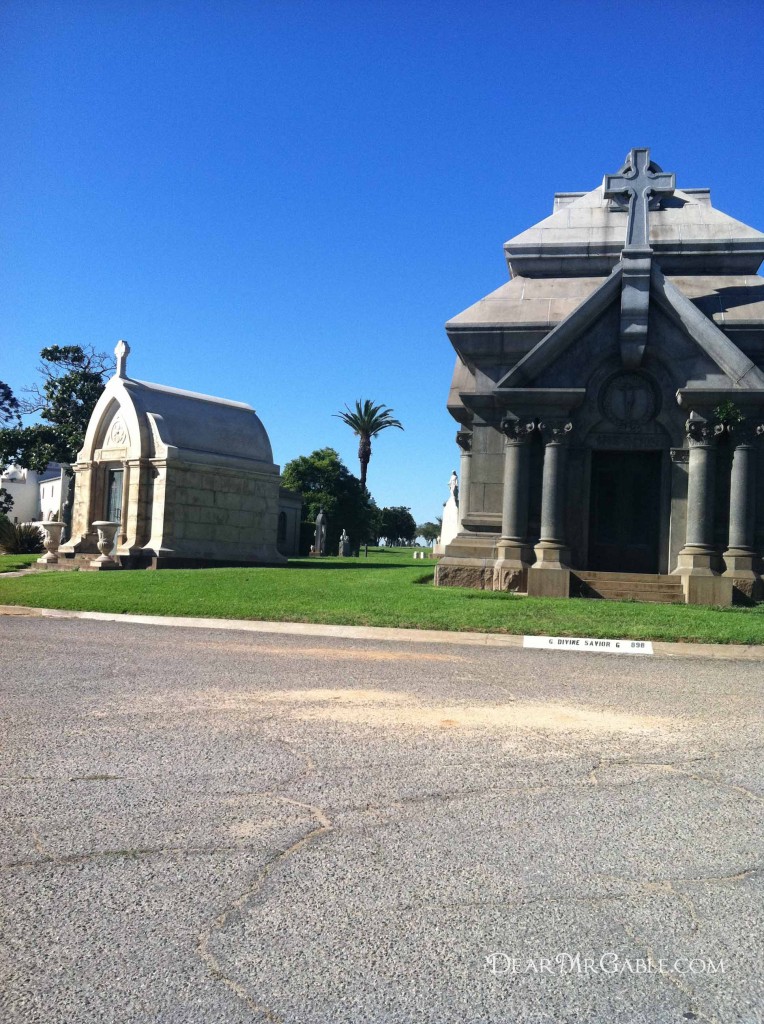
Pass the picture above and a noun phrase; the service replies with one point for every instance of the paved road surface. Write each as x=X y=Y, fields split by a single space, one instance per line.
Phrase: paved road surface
x=201 y=826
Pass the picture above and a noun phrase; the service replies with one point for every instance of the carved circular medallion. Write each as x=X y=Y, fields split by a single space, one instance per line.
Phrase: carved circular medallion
x=629 y=400
x=117 y=434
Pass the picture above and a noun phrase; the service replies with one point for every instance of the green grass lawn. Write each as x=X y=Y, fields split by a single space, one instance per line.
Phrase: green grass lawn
x=387 y=589
x=9 y=563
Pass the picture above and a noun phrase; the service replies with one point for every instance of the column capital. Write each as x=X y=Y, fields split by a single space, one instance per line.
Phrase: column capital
x=464 y=440
x=555 y=429
x=517 y=430
x=745 y=433
x=701 y=433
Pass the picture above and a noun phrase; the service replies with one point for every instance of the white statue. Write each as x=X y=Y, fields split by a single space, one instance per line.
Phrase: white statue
x=453 y=486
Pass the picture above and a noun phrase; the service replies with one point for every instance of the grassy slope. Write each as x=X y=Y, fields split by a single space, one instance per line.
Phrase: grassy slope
x=389 y=589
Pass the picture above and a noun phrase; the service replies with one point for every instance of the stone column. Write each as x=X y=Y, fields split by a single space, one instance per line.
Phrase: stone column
x=464 y=440
x=696 y=556
x=122 y=532
x=740 y=554
x=514 y=553
x=138 y=523
x=550 y=576
x=156 y=542
x=551 y=549
x=701 y=583
x=82 y=537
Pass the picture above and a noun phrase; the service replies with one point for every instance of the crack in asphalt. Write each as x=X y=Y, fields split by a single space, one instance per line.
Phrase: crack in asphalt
x=218 y=923
x=205 y=937
x=584 y=780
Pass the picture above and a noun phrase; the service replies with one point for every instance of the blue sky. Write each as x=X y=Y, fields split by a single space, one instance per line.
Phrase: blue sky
x=283 y=202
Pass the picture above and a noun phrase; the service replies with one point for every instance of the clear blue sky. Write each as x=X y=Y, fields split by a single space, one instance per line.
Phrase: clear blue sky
x=283 y=202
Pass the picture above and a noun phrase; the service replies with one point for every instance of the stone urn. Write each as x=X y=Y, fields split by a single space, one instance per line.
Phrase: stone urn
x=107 y=531
x=52 y=538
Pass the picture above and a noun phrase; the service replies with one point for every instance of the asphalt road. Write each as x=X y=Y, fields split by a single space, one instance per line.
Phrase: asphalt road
x=200 y=826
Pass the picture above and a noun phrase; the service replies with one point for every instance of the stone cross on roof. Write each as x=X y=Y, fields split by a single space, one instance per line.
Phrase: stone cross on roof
x=122 y=351
x=640 y=179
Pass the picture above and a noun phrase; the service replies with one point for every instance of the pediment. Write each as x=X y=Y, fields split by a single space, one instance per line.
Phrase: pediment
x=571 y=349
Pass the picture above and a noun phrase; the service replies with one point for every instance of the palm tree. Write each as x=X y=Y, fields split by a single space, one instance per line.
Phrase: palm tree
x=366 y=421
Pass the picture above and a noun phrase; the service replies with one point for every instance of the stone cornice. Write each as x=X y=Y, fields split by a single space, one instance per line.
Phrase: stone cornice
x=541 y=402
x=705 y=400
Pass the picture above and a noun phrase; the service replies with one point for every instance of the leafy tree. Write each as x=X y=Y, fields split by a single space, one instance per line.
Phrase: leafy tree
x=398 y=526
x=9 y=407
x=366 y=421
x=326 y=483
x=72 y=381
x=6 y=502
x=9 y=414
x=430 y=532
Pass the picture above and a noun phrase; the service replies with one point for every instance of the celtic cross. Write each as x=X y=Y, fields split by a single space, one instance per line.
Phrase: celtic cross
x=640 y=180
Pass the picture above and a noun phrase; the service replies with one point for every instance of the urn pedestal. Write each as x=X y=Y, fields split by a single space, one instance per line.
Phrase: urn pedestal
x=107 y=531
x=51 y=540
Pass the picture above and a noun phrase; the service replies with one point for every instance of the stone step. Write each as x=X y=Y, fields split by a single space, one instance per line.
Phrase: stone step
x=624 y=586
x=636 y=587
x=653 y=596
x=67 y=562
x=627 y=577
x=606 y=591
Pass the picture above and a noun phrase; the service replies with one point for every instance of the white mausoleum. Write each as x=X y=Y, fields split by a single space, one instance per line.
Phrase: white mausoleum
x=190 y=479
x=36 y=496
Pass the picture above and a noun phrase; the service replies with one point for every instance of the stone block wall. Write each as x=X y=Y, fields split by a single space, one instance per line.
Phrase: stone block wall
x=487 y=470
x=220 y=514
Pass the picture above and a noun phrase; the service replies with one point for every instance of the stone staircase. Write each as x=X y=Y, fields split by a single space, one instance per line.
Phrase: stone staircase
x=632 y=586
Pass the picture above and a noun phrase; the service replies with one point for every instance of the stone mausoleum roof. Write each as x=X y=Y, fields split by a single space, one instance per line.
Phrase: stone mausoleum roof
x=563 y=270
x=153 y=420
x=711 y=257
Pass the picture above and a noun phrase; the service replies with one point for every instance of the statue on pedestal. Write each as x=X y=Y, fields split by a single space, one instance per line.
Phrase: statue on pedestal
x=321 y=524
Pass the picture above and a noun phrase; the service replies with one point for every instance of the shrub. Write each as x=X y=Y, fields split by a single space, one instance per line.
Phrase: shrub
x=19 y=538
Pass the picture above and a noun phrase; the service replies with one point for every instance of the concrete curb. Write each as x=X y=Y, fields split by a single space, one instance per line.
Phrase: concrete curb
x=728 y=652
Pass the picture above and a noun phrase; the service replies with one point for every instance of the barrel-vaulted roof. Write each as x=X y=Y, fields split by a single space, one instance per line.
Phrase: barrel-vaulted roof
x=145 y=420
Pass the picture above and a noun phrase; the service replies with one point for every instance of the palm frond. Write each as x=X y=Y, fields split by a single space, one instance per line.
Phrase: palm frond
x=368 y=419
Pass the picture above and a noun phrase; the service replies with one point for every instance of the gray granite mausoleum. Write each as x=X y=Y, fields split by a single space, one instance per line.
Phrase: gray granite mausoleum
x=610 y=402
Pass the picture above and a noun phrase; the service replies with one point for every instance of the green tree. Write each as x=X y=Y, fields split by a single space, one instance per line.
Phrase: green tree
x=366 y=421
x=398 y=526
x=9 y=414
x=326 y=483
x=6 y=503
x=430 y=532
x=9 y=407
x=72 y=381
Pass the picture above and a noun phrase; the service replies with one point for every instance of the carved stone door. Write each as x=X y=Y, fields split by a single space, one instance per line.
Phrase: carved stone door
x=624 y=511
